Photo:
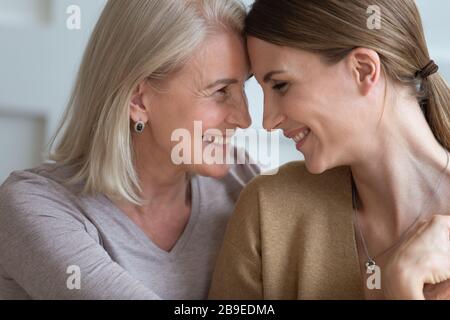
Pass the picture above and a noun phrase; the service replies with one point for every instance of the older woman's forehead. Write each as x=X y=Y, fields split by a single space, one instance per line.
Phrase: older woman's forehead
x=223 y=56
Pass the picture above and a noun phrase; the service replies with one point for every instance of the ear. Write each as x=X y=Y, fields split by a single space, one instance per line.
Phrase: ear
x=138 y=109
x=365 y=65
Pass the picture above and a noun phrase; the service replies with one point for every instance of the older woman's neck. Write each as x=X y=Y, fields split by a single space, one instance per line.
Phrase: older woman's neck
x=162 y=182
x=397 y=179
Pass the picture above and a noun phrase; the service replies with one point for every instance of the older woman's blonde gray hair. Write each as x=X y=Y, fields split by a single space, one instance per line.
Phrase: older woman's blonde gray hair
x=132 y=41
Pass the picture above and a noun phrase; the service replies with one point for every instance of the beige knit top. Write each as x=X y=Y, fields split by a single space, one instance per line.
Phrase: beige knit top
x=291 y=237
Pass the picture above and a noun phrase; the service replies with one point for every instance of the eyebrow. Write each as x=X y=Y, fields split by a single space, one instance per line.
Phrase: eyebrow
x=222 y=82
x=269 y=75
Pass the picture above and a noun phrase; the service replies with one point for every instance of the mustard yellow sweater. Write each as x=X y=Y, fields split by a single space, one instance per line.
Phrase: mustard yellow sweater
x=291 y=237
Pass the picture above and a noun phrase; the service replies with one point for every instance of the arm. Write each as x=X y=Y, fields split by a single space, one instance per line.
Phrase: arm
x=40 y=238
x=238 y=268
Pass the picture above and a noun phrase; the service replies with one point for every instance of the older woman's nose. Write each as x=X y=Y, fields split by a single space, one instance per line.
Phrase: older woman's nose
x=240 y=116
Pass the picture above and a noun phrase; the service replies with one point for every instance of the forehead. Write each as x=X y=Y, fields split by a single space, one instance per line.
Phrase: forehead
x=256 y=45
x=265 y=54
x=266 y=57
x=221 y=54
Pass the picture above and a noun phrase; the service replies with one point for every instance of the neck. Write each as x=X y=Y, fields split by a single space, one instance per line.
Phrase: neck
x=163 y=184
x=397 y=180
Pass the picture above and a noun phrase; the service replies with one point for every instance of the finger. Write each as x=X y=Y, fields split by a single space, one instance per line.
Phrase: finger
x=441 y=220
x=438 y=270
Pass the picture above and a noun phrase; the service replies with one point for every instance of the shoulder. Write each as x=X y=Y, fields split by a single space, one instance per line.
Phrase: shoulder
x=293 y=190
x=280 y=205
x=29 y=194
x=294 y=176
x=242 y=174
x=244 y=168
x=47 y=179
x=239 y=175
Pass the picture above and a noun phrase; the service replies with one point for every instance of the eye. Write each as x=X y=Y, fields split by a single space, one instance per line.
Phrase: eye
x=281 y=87
x=223 y=91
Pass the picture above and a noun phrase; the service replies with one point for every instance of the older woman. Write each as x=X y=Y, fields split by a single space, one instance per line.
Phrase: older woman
x=113 y=216
x=365 y=216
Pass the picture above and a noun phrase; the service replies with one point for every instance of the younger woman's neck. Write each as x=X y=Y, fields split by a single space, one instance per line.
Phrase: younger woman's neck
x=397 y=180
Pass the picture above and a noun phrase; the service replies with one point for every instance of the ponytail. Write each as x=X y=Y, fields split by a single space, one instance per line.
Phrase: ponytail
x=438 y=108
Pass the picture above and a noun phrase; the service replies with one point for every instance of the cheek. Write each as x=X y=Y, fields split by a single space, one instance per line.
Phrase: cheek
x=329 y=146
x=211 y=114
x=327 y=115
x=194 y=117
x=317 y=113
x=169 y=115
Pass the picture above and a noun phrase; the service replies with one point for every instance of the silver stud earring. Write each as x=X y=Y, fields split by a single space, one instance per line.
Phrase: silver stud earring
x=139 y=127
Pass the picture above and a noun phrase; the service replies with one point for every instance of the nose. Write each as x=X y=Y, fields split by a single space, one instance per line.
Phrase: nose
x=239 y=115
x=272 y=118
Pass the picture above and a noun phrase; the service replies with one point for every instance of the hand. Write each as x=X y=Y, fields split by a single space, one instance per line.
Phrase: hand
x=421 y=262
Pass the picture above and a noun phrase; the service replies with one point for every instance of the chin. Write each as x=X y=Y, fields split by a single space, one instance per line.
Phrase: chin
x=315 y=166
x=216 y=171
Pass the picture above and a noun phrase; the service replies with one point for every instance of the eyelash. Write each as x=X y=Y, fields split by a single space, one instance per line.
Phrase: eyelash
x=280 y=86
x=223 y=91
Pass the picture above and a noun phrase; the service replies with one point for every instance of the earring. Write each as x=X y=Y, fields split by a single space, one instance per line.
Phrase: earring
x=139 y=127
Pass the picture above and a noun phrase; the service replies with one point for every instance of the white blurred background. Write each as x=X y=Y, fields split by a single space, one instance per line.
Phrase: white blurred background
x=39 y=57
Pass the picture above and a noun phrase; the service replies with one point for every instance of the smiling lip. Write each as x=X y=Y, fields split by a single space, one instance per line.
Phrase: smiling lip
x=293 y=133
x=299 y=136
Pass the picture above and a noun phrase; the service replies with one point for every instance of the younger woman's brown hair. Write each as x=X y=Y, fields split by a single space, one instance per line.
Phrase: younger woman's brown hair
x=333 y=28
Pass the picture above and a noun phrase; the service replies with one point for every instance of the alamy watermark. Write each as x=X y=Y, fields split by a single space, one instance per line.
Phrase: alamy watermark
x=374 y=19
x=214 y=146
x=73 y=21
x=73 y=282
x=373 y=281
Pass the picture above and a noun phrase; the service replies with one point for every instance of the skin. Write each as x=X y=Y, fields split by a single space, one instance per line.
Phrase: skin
x=208 y=88
x=423 y=250
x=361 y=119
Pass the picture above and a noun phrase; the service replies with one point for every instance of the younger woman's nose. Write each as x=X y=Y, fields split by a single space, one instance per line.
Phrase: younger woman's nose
x=272 y=119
